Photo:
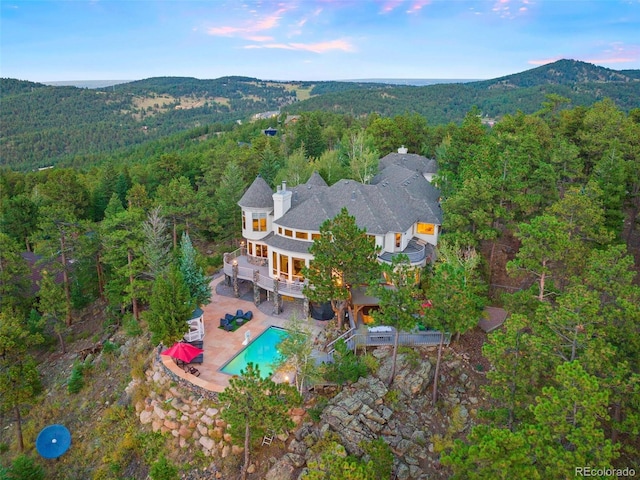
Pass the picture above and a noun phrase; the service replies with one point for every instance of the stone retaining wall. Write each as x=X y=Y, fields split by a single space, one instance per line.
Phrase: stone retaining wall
x=185 y=411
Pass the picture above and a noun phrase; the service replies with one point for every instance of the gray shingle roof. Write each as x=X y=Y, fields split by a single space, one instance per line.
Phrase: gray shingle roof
x=258 y=195
x=393 y=204
x=285 y=243
x=316 y=180
x=412 y=161
x=398 y=197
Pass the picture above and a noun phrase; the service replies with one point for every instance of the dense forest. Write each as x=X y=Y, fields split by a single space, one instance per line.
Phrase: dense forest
x=45 y=125
x=558 y=185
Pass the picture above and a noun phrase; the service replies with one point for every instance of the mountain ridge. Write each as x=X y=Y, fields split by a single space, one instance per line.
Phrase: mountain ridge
x=44 y=124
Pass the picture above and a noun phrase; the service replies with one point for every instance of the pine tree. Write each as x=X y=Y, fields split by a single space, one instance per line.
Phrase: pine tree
x=256 y=406
x=399 y=302
x=344 y=256
x=170 y=307
x=231 y=189
x=193 y=275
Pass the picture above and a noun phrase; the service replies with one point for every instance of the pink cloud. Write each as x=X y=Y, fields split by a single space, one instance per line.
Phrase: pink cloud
x=391 y=5
x=417 y=6
x=320 y=47
x=503 y=8
x=249 y=30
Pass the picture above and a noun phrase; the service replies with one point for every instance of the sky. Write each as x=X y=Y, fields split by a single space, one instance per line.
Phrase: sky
x=51 y=40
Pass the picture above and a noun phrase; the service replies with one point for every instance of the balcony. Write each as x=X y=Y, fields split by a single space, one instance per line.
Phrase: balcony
x=416 y=252
x=258 y=272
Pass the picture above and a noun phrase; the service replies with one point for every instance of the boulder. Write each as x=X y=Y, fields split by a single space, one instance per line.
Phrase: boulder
x=282 y=470
x=207 y=443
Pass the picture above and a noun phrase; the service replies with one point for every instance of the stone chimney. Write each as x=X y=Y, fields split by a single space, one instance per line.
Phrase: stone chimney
x=281 y=201
x=403 y=150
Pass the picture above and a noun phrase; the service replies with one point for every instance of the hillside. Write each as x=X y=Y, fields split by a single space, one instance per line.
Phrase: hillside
x=582 y=83
x=44 y=125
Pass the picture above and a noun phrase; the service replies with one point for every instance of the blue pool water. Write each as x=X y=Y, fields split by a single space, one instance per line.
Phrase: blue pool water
x=261 y=351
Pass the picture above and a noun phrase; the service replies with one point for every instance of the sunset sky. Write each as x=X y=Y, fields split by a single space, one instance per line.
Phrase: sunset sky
x=310 y=39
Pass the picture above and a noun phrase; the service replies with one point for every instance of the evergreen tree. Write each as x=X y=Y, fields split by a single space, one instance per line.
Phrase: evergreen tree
x=567 y=429
x=544 y=244
x=193 y=275
x=53 y=307
x=270 y=166
x=170 y=306
x=256 y=406
x=231 y=189
x=14 y=275
x=122 y=240
x=179 y=204
x=455 y=290
x=19 y=218
x=399 y=302
x=343 y=257
x=19 y=378
x=57 y=242
x=157 y=245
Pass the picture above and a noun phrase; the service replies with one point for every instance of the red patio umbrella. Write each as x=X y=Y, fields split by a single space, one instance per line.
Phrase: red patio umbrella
x=183 y=351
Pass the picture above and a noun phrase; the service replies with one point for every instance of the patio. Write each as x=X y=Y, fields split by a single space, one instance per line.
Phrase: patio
x=220 y=346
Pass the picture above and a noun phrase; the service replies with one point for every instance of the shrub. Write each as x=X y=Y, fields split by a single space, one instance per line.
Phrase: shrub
x=371 y=362
x=109 y=347
x=24 y=468
x=318 y=408
x=131 y=326
x=381 y=458
x=411 y=356
x=346 y=367
x=76 y=381
x=392 y=397
x=163 y=469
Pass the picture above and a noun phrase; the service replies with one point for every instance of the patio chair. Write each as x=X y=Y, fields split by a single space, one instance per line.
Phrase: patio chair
x=224 y=322
x=248 y=315
x=239 y=313
x=228 y=317
x=228 y=326
x=192 y=370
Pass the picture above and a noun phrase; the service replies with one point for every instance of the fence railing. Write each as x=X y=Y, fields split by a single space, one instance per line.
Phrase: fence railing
x=410 y=339
x=293 y=289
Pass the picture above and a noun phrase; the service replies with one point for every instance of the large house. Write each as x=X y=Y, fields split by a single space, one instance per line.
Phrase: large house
x=400 y=208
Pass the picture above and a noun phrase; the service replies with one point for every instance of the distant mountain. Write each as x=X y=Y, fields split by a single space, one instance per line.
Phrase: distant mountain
x=416 y=82
x=582 y=83
x=87 y=83
x=562 y=72
x=43 y=125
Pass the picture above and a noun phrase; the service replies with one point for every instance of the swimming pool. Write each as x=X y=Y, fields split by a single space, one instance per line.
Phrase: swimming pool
x=261 y=351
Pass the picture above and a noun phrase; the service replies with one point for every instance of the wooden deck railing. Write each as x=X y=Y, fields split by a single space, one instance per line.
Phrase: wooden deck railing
x=292 y=289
